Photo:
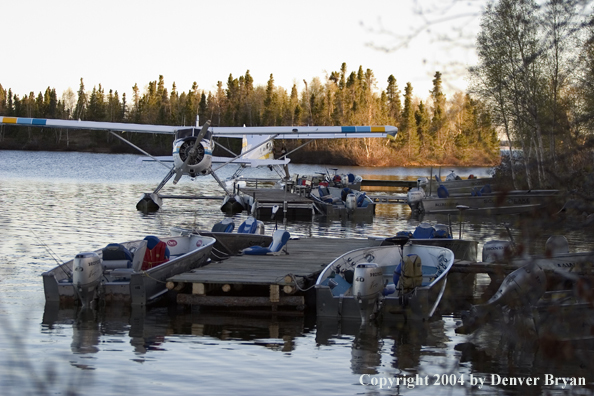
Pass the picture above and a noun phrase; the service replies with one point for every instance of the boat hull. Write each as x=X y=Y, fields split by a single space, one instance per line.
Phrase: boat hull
x=139 y=288
x=492 y=204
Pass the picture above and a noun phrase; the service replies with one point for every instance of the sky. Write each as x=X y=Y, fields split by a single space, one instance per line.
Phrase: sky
x=119 y=43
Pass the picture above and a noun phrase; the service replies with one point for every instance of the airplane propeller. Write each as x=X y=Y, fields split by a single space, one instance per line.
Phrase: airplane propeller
x=179 y=172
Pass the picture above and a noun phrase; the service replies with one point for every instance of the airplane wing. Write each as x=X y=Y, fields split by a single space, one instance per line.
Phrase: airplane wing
x=297 y=132
x=252 y=163
x=309 y=132
x=103 y=126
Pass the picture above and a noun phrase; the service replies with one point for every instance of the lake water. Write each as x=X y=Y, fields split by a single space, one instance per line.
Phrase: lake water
x=72 y=202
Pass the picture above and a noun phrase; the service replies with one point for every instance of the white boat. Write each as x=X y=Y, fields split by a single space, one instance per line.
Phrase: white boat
x=455 y=184
x=342 y=202
x=378 y=281
x=556 y=257
x=132 y=272
x=481 y=201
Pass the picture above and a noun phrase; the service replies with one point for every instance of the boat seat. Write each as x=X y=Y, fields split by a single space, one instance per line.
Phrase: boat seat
x=226 y=225
x=338 y=285
x=248 y=227
x=442 y=191
x=116 y=255
x=361 y=201
x=424 y=231
x=279 y=241
x=442 y=231
x=116 y=251
x=325 y=195
x=486 y=189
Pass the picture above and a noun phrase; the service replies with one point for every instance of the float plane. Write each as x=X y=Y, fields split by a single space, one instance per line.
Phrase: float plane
x=192 y=147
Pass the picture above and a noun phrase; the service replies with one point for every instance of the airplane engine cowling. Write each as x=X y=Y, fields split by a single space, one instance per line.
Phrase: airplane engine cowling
x=198 y=163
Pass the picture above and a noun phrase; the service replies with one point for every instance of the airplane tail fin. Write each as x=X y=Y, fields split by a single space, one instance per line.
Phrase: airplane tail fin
x=265 y=151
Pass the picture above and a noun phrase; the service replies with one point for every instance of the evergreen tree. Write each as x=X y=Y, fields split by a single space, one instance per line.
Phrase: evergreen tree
x=393 y=100
x=423 y=125
x=270 y=103
x=81 y=104
x=437 y=122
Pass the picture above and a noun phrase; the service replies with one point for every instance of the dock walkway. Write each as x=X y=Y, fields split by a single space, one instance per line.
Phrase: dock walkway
x=264 y=280
x=296 y=205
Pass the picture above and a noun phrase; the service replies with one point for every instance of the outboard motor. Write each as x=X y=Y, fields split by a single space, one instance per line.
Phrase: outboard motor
x=422 y=182
x=496 y=251
x=415 y=197
x=351 y=201
x=87 y=270
x=520 y=289
x=368 y=284
x=556 y=244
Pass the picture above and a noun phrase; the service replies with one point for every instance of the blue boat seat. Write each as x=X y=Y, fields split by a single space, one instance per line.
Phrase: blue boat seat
x=248 y=227
x=325 y=195
x=115 y=255
x=486 y=189
x=361 y=201
x=341 y=286
x=442 y=191
x=225 y=225
x=442 y=234
x=424 y=231
x=116 y=251
x=279 y=241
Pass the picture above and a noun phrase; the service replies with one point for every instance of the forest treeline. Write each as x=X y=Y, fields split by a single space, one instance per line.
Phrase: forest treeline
x=535 y=77
x=435 y=130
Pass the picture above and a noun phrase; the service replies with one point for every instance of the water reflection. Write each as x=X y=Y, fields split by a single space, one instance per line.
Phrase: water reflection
x=403 y=342
x=148 y=330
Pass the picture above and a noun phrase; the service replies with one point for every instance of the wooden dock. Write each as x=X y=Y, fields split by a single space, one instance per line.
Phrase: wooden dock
x=263 y=281
x=290 y=205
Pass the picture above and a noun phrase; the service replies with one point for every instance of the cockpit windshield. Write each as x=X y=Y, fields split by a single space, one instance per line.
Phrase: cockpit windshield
x=187 y=132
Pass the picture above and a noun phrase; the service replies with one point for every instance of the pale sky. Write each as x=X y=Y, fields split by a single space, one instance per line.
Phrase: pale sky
x=119 y=43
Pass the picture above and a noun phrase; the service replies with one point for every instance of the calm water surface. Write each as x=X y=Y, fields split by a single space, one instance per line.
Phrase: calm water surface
x=75 y=202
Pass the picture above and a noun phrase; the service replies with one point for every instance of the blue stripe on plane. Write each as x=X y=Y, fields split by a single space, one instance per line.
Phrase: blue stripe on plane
x=363 y=129
x=39 y=121
x=348 y=129
x=24 y=121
